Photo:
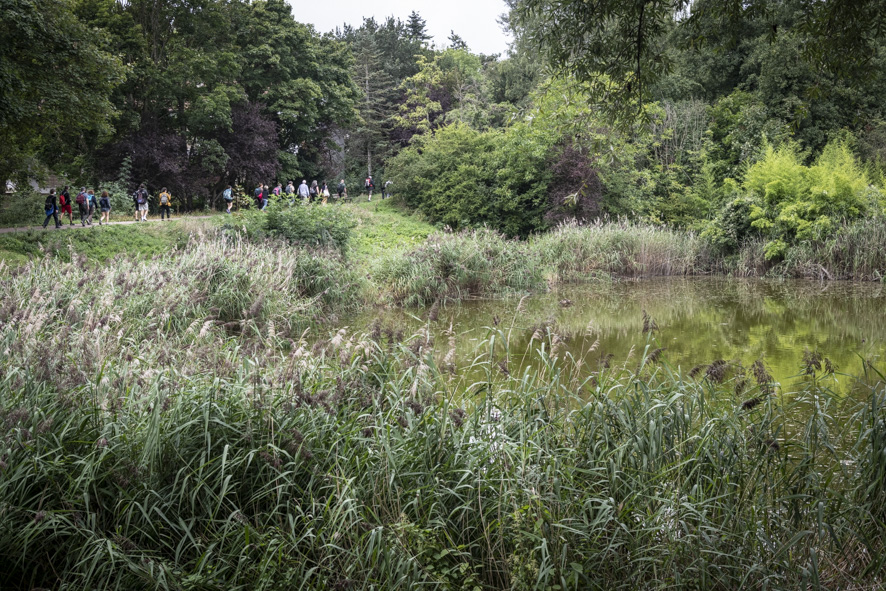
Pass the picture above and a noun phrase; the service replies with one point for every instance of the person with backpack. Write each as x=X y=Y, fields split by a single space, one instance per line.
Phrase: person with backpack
x=64 y=201
x=290 y=189
x=51 y=209
x=265 y=196
x=104 y=205
x=228 y=196
x=92 y=204
x=386 y=192
x=342 y=190
x=257 y=195
x=278 y=190
x=164 y=199
x=368 y=185
x=141 y=203
x=83 y=205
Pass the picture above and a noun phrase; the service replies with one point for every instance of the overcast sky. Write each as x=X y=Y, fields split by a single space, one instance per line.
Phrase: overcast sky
x=474 y=20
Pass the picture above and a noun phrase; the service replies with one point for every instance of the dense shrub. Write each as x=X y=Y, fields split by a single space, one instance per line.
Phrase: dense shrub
x=799 y=202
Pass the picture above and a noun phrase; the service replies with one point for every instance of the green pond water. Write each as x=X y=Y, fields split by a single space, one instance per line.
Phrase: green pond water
x=699 y=320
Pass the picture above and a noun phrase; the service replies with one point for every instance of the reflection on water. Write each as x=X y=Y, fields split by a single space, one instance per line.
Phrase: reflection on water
x=699 y=320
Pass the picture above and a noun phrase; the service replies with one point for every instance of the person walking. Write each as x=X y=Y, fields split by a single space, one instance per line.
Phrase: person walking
x=324 y=191
x=228 y=196
x=256 y=194
x=83 y=205
x=303 y=190
x=141 y=203
x=368 y=185
x=64 y=201
x=290 y=189
x=314 y=191
x=93 y=206
x=51 y=209
x=164 y=199
x=104 y=205
x=265 y=196
x=278 y=190
x=342 y=190
x=386 y=193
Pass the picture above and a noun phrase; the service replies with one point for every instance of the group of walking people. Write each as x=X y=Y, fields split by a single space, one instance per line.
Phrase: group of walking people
x=57 y=206
x=61 y=204
x=316 y=192
x=87 y=204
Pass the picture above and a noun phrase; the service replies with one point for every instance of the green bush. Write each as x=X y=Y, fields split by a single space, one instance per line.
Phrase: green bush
x=465 y=178
x=799 y=202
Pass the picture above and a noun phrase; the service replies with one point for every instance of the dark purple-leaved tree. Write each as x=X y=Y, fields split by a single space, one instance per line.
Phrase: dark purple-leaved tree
x=575 y=191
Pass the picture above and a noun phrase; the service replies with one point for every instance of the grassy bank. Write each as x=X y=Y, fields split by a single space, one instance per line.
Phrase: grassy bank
x=165 y=426
x=99 y=243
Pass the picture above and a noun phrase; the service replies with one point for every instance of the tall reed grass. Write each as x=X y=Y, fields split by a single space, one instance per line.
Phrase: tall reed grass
x=575 y=252
x=147 y=442
x=457 y=266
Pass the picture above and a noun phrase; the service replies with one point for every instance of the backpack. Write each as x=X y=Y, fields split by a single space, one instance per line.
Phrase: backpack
x=164 y=198
x=50 y=204
x=140 y=197
x=81 y=199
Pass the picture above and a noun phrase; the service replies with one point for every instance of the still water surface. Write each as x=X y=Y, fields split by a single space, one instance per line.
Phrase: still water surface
x=699 y=320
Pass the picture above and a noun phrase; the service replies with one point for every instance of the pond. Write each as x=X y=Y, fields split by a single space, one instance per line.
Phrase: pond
x=699 y=320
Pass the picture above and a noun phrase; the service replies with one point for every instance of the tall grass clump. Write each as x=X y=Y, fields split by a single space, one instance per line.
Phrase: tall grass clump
x=73 y=318
x=305 y=224
x=856 y=250
x=358 y=464
x=457 y=266
x=576 y=252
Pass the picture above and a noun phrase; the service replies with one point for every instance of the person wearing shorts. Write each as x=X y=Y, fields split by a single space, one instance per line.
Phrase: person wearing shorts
x=104 y=205
x=141 y=203
x=229 y=198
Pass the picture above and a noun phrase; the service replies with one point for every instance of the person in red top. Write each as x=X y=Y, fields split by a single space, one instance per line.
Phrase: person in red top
x=64 y=202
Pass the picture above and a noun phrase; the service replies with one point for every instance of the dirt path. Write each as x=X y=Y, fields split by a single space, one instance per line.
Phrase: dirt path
x=77 y=226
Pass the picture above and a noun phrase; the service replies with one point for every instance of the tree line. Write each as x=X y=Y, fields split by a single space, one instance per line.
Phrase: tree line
x=657 y=111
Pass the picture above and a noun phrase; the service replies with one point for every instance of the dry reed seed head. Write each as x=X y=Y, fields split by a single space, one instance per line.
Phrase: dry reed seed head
x=761 y=376
x=415 y=406
x=655 y=355
x=101 y=443
x=751 y=403
x=503 y=367
x=772 y=445
x=716 y=371
x=14 y=417
x=606 y=360
x=457 y=416
x=811 y=361
x=829 y=366
x=649 y=324
x=434 y=311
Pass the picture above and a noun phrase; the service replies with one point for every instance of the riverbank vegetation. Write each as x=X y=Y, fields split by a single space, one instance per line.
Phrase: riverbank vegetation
x=189 y=435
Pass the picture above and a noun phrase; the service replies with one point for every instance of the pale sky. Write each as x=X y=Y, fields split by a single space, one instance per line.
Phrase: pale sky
x=474 y=20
